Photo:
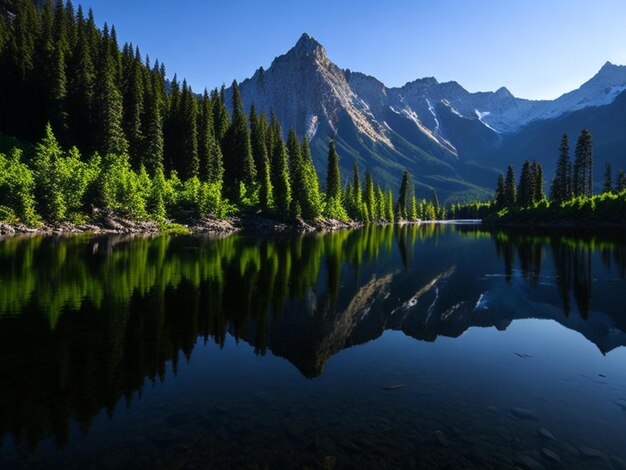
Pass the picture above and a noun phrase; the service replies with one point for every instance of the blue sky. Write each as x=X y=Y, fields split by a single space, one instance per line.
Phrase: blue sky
x=536 y=48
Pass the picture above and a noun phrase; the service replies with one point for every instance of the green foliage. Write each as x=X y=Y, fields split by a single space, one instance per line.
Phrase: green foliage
x=119 y=187
x=166 y=152
x=17 y=187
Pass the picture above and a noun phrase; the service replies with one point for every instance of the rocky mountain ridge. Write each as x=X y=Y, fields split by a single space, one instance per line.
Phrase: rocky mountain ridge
x=436 y=130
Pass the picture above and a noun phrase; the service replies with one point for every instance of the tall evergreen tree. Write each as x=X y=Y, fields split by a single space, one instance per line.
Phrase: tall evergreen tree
x=333 y=178
x=80 y=93
x=510 y=192
x=369 y=196
x=57 y=111
x=500 y=196
x=257 y=138
x=403 y=204
x=538 y=183
x=280 y=178
x=134 y=108
x=562 y=185
x=221 y=118
x=153 y=147
x=389 y=215
x=526 y=186
x=108 y=109
x=312 y=206
x=171 y=126
x=189 y=165
x=607 y=187
x=238 y=162
x=583 y=165
x=620 y=182
x=296 y=173
x=206 y=135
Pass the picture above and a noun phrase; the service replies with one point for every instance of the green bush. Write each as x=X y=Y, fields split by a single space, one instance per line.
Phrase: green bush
x=17 y=187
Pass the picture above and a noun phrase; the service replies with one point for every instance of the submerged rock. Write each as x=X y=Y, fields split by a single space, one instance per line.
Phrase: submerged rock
x=550 y=455
x=526 y=461
x=394 y=386
x=545 y=433
x=591 y=453
x=523 y=413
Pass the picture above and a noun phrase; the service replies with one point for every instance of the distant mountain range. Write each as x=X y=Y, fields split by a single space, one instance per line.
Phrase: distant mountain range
x=450 y=139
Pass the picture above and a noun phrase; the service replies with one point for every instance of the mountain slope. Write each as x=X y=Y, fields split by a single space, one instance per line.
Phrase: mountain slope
x=313 y=96
x=449 y=139
x=540 y=140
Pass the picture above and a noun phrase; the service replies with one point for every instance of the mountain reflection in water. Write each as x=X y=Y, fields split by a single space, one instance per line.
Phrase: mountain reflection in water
x=85 y=320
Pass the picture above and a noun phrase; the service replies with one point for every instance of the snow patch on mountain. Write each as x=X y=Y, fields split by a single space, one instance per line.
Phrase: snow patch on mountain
x=481 y=116
x=312 y=123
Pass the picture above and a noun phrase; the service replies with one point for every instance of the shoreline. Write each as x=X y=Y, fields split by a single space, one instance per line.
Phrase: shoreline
x=117 y=225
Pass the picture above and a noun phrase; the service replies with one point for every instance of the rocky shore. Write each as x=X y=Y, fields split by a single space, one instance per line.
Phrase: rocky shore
x=107 y=222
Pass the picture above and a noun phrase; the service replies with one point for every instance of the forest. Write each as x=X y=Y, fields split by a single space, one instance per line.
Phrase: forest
x=571 y=199
x=88 y=126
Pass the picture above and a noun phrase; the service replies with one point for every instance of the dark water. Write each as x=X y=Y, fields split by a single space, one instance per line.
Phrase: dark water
x=432 y=346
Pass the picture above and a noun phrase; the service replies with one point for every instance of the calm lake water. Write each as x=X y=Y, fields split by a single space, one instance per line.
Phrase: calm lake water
x=441 y=346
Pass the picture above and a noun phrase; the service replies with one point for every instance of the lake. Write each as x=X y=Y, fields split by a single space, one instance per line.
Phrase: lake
x=440 y=346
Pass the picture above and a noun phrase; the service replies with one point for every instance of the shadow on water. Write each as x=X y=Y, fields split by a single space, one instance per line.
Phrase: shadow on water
x=87 y=322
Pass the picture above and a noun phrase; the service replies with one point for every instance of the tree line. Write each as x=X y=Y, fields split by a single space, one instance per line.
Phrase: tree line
x=150 y=147
x=571 y=197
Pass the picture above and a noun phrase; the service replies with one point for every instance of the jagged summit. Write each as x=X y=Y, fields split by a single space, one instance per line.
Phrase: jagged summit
x=307 y=42
x=308 y=46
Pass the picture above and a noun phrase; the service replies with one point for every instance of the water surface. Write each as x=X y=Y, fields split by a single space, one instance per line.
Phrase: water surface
x=439 y=345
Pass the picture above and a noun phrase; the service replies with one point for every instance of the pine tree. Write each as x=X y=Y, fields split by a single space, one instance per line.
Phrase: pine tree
x=380 y=202
x=620 y=182
x=205 y=135
x=108 y=105
x=238 y=162
x=354 y=197
x=607 y=187
x=402 y=205
x=280 y=178
x=500 y=196
x=439 y=210
x=562 y=185
x=583 y=165
x=413 y=213
x=57 y=108
x=510 y=192
x=333 y=178
x=221 y=119
x=370 y=197
x=538 y=183
x=526 y=186
x=134 y=108
x=298 y=176
x=389 y=215
x=80 y=93
x=312 y=207
x=153 y=146
x=257 y=138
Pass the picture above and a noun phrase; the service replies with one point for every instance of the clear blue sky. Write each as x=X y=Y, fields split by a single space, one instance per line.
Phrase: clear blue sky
x=536 y=48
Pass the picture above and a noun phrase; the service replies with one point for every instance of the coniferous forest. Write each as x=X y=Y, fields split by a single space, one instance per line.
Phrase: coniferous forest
x=86 y=125
x=571 y=198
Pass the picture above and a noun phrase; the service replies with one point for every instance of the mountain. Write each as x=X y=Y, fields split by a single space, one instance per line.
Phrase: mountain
x=450 y=139
x=540 y=140
x=316 y=98
x=309 y=337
